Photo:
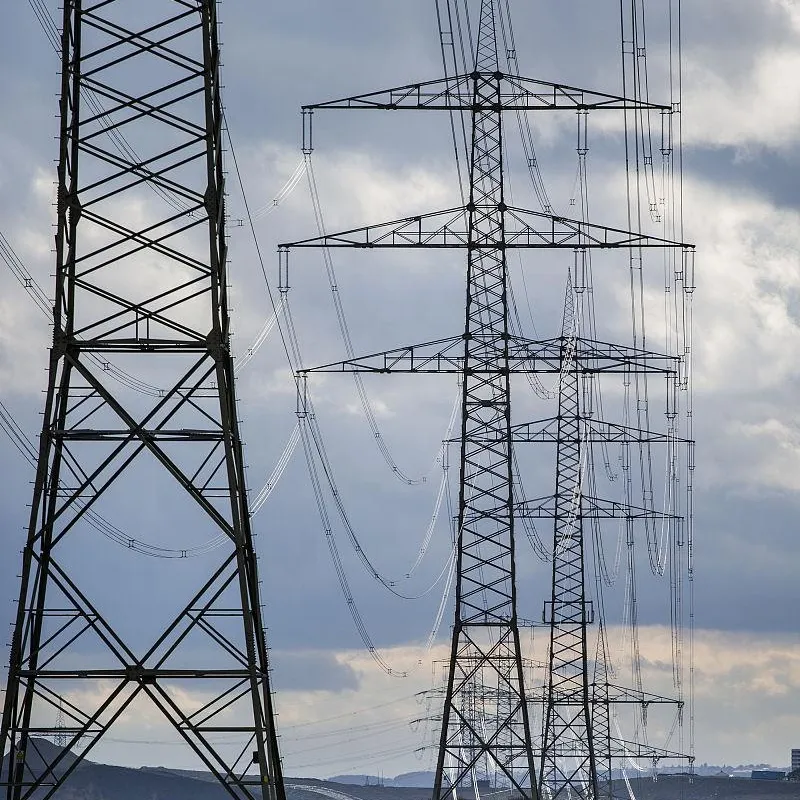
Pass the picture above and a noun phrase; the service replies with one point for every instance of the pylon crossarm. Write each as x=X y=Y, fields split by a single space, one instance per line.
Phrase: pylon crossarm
x=594 y=431
x=446 y=228
x=595 y=356
x=442 y=356
x=625 y=695
x=524 y=229
x=635 y=750
x=535 y=229
x=589 y=508
x=458 y=94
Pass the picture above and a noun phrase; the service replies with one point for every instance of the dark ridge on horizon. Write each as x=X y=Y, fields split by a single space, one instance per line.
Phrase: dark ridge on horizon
x=94 y=781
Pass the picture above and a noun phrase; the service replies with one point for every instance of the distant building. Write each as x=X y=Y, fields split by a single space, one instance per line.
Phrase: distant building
x=768 y=775
x=795 y=759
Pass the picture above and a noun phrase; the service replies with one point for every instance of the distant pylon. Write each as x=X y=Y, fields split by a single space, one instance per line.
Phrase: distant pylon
x=141 y=288
x=60 y=738
x=569 y=765
x=578 y=740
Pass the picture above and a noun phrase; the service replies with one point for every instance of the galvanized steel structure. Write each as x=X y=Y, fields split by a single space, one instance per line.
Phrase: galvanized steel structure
x=485 y=726
x=141 y=289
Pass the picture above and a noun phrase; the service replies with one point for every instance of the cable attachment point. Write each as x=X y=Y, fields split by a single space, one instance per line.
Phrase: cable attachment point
x=283 y=269
x=308 y=131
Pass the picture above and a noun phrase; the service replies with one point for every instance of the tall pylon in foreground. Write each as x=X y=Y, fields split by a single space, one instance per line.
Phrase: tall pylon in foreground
x=141 y=288
x=485 y=724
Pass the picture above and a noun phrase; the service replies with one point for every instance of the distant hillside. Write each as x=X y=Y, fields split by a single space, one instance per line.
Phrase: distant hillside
x=422 y=780
x=92 y=781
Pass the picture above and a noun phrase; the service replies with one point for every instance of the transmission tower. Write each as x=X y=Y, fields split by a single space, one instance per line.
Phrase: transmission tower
x=578 y=741
x=486 y=659
x=141 y=283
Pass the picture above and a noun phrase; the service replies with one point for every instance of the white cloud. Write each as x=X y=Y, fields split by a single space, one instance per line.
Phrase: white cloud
x=747 y=338
x=742 y=92
x=759 y=109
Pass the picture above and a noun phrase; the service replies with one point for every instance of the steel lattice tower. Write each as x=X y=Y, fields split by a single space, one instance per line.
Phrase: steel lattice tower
x=578 y=742
x=141 y=281
x=568 y=717
x=485 y=725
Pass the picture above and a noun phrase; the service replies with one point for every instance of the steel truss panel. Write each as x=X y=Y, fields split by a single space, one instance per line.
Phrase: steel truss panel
x=141 y=274
x=587 y=507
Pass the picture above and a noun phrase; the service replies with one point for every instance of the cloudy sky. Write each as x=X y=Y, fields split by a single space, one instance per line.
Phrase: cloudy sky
x=338 y=711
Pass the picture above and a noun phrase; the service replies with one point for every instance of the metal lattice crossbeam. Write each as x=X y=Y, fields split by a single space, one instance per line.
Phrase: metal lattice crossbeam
x=593 y=431
x=522 y=229
x=523 y=355
x=514 y=93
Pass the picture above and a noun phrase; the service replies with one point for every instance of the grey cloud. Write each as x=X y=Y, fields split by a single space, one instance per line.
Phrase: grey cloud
x=759 y=170
x=310 y=671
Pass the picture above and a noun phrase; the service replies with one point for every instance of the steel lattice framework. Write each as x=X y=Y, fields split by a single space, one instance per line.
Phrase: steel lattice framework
x=578 y=743
x=568 y=718
x=485 y=725
x=141 y=280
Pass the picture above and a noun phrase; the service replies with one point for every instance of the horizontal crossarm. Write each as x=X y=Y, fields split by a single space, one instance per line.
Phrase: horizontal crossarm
x=524 y=229
x=458 y=94
x=611 y=693
x=594 y=431
x=590 y=508
x=525 y=355
x=624 y=694
x=567 y=749
x=645 y=752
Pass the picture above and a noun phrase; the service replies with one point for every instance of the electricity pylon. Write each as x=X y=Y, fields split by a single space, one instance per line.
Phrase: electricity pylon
x=141 y=283
x=486 y=658
x=578 y=740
